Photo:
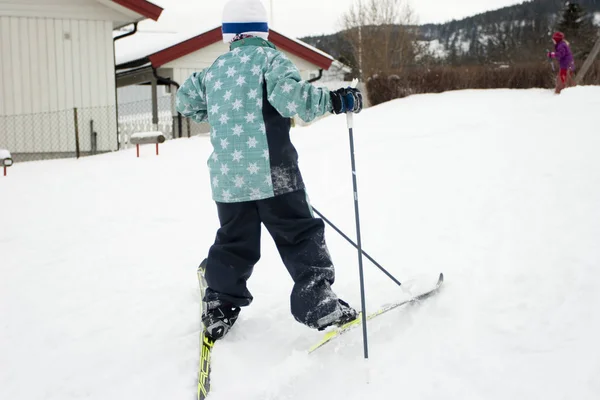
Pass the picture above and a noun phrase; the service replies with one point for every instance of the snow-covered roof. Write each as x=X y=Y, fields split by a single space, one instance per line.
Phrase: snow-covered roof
x=147 y=44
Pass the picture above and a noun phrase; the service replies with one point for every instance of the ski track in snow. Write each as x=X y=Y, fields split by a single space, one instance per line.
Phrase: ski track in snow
x=498 y=189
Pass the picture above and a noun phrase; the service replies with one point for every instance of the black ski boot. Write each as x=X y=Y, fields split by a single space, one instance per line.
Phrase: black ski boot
x=219 y=320
x=339 y=317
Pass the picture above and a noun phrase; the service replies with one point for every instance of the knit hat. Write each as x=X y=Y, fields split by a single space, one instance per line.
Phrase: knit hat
x=244 y=17
x=558 y=36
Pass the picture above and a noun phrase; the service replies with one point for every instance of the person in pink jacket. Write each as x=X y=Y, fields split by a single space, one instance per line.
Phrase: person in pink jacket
x=563 y=53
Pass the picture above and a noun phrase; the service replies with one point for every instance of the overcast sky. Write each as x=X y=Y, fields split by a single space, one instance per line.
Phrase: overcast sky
x=307 y=17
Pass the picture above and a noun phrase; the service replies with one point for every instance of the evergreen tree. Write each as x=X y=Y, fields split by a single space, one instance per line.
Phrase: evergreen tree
x=578 y=28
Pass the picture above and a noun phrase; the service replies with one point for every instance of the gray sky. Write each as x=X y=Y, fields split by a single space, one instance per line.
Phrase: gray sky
x=307 y=17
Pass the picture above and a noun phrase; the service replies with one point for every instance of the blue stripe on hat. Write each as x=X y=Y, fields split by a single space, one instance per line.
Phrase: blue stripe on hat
x=241 y=27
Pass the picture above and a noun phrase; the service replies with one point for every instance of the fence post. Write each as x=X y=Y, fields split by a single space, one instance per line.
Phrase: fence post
x=76 y=132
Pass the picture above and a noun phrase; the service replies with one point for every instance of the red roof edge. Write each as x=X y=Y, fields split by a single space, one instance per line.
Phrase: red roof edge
x=297 y=49
x=142 y=7
x=186 y=47
x=215 y=35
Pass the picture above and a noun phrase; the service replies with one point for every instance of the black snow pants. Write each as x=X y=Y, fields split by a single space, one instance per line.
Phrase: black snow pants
x=300 y=240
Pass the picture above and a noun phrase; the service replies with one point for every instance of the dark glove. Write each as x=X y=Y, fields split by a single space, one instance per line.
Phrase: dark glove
x=346 y=100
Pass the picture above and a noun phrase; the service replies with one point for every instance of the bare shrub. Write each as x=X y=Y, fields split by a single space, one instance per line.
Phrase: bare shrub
x=437 y=79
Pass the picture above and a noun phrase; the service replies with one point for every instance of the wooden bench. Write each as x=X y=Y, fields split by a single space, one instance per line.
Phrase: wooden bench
x=147 y=138
x=5 y=160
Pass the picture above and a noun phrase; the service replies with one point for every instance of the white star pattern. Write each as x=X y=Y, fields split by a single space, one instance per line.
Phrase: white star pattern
x=224 y=169
x=215 y=181
x=268 y=180
x=237 y=156
x=263 y=128
x=250 y=117
x=259 y=103
x=224 y=143
x=305 y=95
x=192 y=94
x=228 y=95
x=241 y=81
x=252 y=142
x=215 y=157
x=244 y=59
x=287 y=88
x=221 y=63
x=209 y=76
x=236 y=51
x=213 y=133
x=214 y=109
x=239 y=181
x=266 y=154
x=276 y=64
x=260 y=50
x=253 y=168
x=226 y=195
x=238 y=130
x=290 y=70
x=231 y=72
x=256 y=70
x=224 y=119
x=178 y=102
x=218 y=85
x=253 y=93
x=255 y=194
x=237 y=105
x=292 y=107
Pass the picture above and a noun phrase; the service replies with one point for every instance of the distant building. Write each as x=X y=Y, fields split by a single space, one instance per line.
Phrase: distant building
x=146 y=61
x=56 y=56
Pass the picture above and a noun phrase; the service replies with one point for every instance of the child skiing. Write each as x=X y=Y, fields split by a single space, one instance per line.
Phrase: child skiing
x=248 y=97
x=562 y=52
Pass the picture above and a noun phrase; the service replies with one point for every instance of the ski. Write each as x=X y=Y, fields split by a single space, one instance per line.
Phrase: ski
x=206 y=342
x=334 y=334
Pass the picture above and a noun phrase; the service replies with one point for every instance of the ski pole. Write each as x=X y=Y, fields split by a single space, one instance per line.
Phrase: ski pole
x=550 y=59
x=350 y=123
x=338 y=230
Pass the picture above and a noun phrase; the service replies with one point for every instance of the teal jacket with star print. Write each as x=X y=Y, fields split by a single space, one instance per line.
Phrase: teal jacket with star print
x=248 y=97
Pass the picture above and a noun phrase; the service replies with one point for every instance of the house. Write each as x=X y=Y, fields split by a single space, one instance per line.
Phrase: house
x=155 y=59
x=57 y=57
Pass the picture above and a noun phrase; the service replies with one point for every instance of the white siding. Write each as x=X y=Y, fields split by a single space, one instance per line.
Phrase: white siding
x=68 y=9
x=43 y=70
x=47 y=68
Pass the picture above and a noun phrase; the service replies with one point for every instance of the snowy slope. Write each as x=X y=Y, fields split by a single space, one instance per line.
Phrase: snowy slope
x=498 y=189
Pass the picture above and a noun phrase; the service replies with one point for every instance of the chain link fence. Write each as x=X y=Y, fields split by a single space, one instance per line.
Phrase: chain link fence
x=76 y=132
x=137 y=117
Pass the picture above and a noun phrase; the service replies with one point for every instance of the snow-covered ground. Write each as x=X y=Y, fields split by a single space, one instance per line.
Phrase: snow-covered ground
x=498 y=189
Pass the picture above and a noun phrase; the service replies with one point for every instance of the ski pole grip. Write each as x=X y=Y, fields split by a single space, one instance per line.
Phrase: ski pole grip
x=350 y=115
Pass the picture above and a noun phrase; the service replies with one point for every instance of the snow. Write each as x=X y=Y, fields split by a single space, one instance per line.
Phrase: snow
x=146 y=135
x=435 y=48
x=497 y=189
x=144 y=44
